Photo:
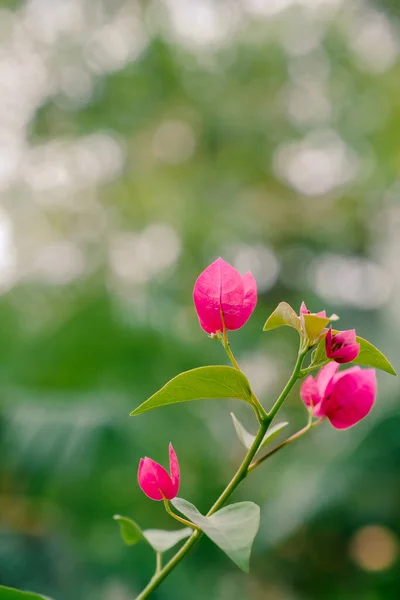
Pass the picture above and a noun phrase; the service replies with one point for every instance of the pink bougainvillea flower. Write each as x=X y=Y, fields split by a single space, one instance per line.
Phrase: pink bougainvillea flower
x=154 y=480
x=222 y=296
x=344 y=398
x=342 y=347
x=304 y=311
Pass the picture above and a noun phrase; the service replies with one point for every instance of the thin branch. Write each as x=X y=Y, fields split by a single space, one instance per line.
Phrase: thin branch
x=291 y=439
x=177 y=517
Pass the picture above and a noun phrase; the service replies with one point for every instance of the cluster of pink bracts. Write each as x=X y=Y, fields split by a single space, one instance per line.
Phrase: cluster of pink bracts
x=224 y=301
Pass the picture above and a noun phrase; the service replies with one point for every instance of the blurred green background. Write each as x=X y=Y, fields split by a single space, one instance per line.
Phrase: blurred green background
x=138 y=142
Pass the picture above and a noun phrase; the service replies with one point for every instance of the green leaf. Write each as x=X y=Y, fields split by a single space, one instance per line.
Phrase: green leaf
x=130 y=531
x=284 y=314
x=371 y=356
x=318 y=355
x=162 y=540
x=203 y=382
x=7 y=593
x=159 y=539
x=232 y=528
x=247 y=438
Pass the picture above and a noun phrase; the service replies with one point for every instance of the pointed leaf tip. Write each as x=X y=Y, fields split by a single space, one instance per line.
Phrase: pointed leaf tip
x=130 y=531
x=283 y=315
x=215 y=382
x=244 y=436
x=372 y=357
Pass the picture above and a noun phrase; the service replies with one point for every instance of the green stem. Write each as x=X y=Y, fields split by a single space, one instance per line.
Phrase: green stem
x=308 y=370
x=158 y=563
x=177 y=517
x=240 y=474
x=228 y=350
x=258 y=407
x=292 y=380
x=159 y=578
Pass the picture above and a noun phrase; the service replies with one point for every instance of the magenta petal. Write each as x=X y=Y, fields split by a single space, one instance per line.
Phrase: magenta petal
x=352 y=397
x=309 y=393
x=250 y=295
x=154 y=480
x=328 y=343
x=174 y=472
x=303 y=309
x=141 y=461
x=342 y=347
x=324 y=378
x=207 y=328
x=346 y=354
x=207 y=298
x=245 y=310
x=222 y=296
x=232 y=296
x=346 y=337
x=147 y=480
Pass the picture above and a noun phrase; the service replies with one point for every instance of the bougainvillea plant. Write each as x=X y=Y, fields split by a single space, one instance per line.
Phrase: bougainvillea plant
x=224 y=301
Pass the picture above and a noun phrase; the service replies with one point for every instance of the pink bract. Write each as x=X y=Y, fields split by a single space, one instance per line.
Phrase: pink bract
x=304 y=311
x=344 y=398
x=342 y=347
x=154 y=480
x=222 y=296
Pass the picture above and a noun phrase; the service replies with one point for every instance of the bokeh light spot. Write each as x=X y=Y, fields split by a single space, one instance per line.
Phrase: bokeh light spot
x=374 y=548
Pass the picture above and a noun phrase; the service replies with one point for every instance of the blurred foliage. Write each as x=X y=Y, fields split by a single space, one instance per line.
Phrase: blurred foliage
x=148 y=139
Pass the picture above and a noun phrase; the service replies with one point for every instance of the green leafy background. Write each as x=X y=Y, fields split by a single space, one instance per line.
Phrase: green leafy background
x=138 y=142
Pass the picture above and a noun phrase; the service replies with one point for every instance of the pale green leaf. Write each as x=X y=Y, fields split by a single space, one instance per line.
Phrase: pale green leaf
x=162 y=540
x=200 y=383
x=130 y=531
x=247 y=438
x=159 y=539
x=284 y=314
x=244 y=436
x=7 y=593
x=232 y=528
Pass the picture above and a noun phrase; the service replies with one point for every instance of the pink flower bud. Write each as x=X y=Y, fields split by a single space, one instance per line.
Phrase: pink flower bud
x=154 y=480
x=345 y=398
x=342 y=347
x=304 y=311
x=221 y=295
